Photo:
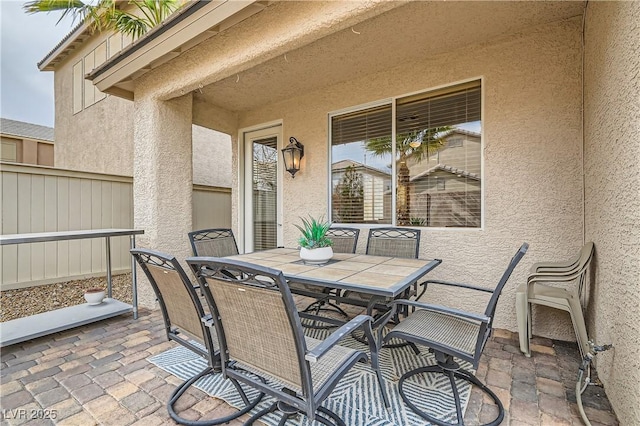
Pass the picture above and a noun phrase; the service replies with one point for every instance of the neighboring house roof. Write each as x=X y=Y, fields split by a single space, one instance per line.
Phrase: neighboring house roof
x=22 y=129
x=462 y=132
x=344 y=164
x=445 y=168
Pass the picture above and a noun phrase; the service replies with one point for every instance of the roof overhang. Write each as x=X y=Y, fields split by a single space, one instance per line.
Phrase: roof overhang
x=75 y=37
x=194 y=23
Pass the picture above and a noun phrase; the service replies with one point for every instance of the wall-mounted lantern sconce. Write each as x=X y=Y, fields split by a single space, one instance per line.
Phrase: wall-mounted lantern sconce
x=292 y=154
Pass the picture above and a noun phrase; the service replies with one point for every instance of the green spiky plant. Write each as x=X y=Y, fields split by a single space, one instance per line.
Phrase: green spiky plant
x=314 y=233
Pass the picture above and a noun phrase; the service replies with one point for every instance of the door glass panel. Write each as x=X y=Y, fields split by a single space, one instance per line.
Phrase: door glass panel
x=265 y=193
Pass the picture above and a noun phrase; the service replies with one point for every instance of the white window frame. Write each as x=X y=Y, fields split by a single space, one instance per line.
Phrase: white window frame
x=393 y=101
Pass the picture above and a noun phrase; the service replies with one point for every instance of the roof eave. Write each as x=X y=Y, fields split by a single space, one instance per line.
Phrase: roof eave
x=158 y=43
x=49 y=61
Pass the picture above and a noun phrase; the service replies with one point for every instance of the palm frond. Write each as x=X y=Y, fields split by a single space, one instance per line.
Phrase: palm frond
x=77 y=9
x=128 y=24
x=106 y=15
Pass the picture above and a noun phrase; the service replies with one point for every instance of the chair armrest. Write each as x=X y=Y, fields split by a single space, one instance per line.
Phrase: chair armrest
x=537 y=267
x=334 y=338
x=443 y=309
x=461 y=285
x=549 y=277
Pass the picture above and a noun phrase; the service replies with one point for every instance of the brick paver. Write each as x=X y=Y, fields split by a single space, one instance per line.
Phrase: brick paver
x=99 y=374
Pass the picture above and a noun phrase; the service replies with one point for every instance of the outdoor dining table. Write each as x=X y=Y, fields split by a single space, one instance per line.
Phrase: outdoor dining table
x=383 y=278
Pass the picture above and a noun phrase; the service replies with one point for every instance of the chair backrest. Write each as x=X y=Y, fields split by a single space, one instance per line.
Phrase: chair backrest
x=179 y=302
x=586 y=254
x=394 y=242
x=345 y=240
x=256 y=319
x=493 y=301
x=218 y=242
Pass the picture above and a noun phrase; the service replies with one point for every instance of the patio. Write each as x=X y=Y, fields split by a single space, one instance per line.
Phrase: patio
x=99 y=374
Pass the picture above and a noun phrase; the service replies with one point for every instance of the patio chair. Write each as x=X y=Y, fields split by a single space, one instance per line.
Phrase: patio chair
x=260 y=330
x=538 y=291
x=394 y=242
x=390 y=242
x=217 y=242
x=345 y=240
x=184 y=320
x=451 y=334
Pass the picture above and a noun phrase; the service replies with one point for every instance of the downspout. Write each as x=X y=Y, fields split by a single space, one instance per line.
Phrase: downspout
x=585 y=367
x=582 y=125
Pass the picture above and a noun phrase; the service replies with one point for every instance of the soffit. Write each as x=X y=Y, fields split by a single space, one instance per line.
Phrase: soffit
x=191 y=25
x=408 y=33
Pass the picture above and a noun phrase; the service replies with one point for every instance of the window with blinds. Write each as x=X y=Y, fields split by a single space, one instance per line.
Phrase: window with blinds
x=437 y=154
x=361 y=166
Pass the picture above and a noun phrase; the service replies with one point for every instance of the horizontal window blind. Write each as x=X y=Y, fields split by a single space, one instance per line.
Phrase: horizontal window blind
x=443 y=109
x=361 y=125
x=441 y=189
x=438 y=161
x=361 y=155
x=265 y=185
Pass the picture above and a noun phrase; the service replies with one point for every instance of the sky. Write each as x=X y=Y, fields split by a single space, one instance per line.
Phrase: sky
x=26 y=93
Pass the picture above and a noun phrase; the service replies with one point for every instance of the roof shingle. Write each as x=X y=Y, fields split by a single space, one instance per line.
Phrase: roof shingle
x=25 y=130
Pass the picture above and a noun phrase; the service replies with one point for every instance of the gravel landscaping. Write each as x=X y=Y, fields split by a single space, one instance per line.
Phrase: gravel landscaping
x=34 y=300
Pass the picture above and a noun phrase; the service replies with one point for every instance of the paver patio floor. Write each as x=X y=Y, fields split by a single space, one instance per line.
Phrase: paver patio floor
x=98 y=374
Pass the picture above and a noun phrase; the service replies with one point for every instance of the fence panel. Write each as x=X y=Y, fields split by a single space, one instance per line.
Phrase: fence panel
x=39 y=199
x=211 y=207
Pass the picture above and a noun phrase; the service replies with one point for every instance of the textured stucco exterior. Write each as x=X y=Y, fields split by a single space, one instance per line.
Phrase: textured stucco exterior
x=532 y=149
x=532 y=155
x=162 y=179
x=99 y=138
x=546 y=179
x=211 y=157
x=612 y=196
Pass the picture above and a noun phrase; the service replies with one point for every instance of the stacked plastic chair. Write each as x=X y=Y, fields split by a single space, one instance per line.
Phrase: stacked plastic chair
x=539 y=289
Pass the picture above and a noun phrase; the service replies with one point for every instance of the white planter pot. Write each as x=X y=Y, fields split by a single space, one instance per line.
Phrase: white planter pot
x=94 y=297
x=316 y=256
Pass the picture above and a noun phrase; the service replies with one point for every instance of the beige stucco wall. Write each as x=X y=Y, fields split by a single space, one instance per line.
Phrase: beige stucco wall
x=612 y=195
x=211 y=157
x=532 y=155
x=99 y=138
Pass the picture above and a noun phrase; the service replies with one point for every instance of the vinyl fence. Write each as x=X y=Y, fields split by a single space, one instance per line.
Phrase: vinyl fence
x=41 y=199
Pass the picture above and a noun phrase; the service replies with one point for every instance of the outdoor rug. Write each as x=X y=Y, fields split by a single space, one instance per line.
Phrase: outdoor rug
x=356 y=398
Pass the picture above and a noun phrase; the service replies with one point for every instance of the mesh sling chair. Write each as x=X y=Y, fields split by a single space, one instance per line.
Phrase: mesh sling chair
x=345 y=240
x=260 y=330
x=217 y=242
x=389 y=242
x=184 y=320
x=538 y=291
x=451 y=333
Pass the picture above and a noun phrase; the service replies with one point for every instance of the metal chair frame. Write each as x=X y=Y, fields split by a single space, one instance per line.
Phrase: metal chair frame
x=249 y=279
x=211 y=234
x=395 y=234
x=435 y=332
x=167 y=264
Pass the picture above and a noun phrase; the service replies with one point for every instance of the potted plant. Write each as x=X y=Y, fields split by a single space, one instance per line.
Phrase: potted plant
x=315 y=246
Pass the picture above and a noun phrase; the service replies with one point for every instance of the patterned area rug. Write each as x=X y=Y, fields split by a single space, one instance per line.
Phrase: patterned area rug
x=356 y=398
